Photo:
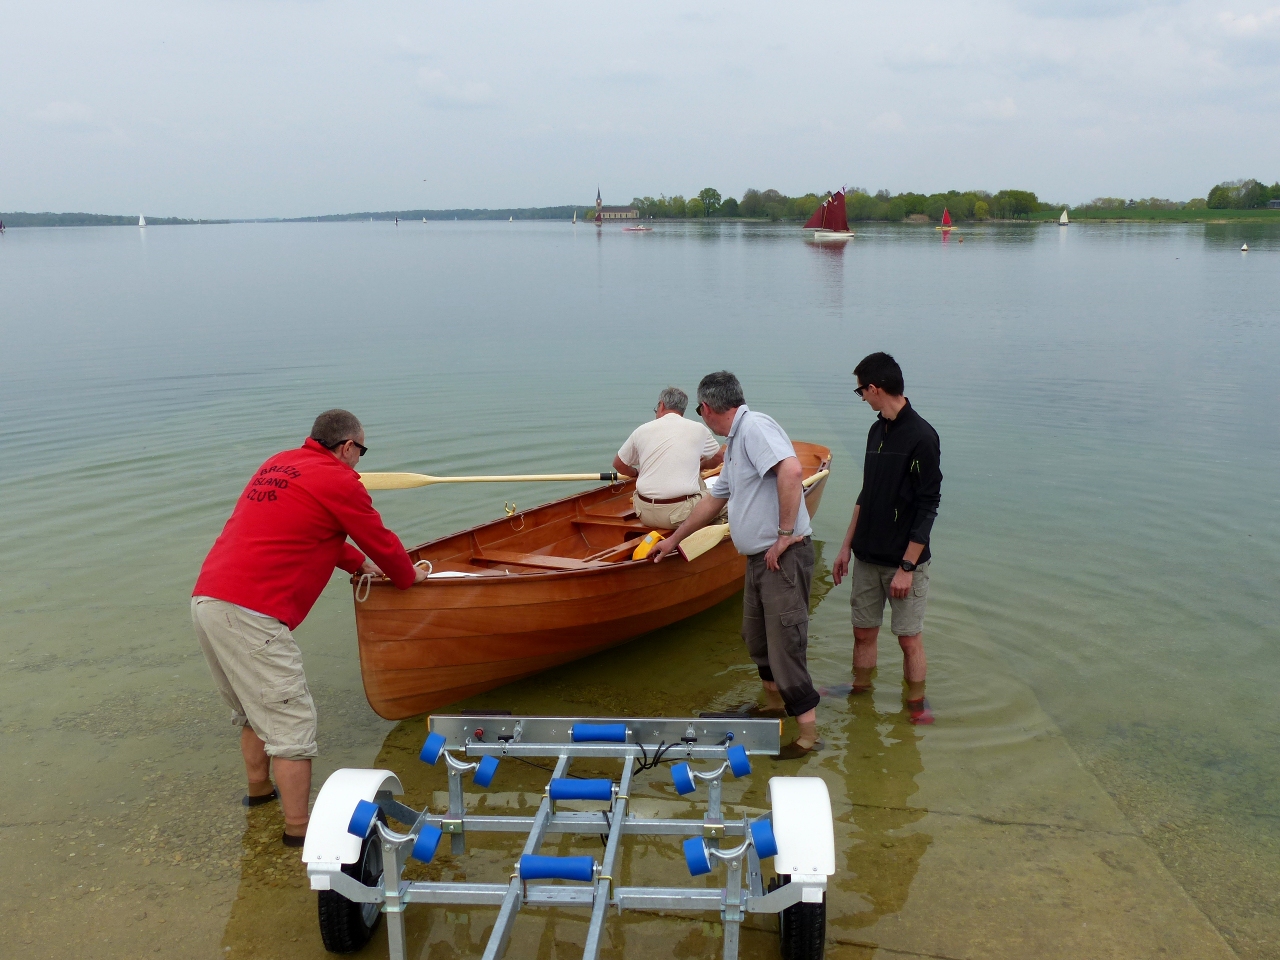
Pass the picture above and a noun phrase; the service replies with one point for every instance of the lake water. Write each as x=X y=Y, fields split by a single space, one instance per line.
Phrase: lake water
x=1102 y=632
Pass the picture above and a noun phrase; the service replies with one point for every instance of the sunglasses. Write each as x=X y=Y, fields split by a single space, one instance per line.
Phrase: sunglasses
x=335 y=446
x=858 y=390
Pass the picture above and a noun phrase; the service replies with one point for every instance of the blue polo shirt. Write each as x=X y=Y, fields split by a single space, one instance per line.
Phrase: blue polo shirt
x=755 y=445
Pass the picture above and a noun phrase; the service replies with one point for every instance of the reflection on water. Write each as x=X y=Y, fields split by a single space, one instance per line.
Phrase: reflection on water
x=878 y=757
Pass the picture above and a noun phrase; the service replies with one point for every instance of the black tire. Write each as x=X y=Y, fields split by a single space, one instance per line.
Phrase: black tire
x=346 y=926
x=802 y=927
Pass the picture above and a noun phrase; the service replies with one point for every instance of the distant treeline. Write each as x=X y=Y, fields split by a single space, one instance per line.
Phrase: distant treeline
x=1242 y=195
x=86 y=220
x=516 y=213
x=859 y=204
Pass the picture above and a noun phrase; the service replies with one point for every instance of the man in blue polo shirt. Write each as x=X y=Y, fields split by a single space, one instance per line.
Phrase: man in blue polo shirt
x=761 y=482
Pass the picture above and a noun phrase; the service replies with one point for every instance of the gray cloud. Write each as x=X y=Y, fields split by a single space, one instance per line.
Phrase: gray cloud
x=237 y=108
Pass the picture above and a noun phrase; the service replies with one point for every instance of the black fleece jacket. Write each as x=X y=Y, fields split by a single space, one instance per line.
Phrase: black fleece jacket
x=901 y=489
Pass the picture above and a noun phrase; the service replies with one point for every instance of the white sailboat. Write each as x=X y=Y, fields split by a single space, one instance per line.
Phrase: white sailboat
x=1062 y=220
x=142 y=221
x=511 y=219
x=575 y=216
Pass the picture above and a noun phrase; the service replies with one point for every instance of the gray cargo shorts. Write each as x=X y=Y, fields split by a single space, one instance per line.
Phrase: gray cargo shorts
x=871 y=589
x=257 y=668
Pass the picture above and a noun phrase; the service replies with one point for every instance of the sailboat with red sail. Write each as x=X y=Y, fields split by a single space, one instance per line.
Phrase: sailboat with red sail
x=829 y=221
x=947 y=225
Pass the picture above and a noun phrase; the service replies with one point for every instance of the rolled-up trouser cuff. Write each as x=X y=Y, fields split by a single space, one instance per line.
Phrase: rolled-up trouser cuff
x=306 y=751
x=800 y=701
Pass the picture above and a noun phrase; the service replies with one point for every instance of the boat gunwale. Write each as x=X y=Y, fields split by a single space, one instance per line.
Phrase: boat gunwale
x=536 y=576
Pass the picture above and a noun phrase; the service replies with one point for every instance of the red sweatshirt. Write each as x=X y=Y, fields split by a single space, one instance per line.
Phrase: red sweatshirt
x=289 y=530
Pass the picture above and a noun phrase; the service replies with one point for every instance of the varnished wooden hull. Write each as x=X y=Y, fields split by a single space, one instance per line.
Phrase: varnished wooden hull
x=446 y=639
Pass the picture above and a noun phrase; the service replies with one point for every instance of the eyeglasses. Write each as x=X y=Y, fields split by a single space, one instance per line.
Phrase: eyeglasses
x=858 y=390
x=335 y=446
x=698 y=409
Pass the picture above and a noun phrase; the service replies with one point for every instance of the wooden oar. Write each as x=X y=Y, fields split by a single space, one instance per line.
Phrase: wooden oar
x=407 y=481
x=702 y=540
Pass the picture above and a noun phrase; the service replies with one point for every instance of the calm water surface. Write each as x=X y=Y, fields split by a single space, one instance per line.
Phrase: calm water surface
x=1102 y=628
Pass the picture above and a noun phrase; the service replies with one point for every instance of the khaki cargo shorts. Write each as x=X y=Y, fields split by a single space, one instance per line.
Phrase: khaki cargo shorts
x=871 y=589
x=257 y=668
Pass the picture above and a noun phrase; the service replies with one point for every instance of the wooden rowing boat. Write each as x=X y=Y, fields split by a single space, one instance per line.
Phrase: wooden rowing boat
x=541 y=587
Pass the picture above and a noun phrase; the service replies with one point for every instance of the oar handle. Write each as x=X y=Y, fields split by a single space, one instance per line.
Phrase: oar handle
x=407 y=481
x=609 y=476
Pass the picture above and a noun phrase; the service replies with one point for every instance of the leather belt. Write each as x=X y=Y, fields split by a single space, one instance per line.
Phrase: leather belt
x=669 y=500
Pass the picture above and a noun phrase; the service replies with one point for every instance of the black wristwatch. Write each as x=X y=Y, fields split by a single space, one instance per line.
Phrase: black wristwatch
x=907 y=565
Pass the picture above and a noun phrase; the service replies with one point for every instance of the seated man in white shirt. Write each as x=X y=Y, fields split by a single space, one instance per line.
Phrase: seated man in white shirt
x=667 y=456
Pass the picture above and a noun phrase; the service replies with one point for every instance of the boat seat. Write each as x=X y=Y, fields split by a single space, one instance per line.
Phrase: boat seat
x=617 y=508
x=627 y=523
x=537 y=560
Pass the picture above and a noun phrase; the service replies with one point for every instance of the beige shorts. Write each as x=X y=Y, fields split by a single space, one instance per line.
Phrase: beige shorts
x=257 y=668
x=664 y=516
x=871 y=589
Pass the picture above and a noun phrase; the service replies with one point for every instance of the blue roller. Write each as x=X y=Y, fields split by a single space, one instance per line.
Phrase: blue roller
x=695 y=855
x=762 y=837
x=738 y=762
x=563 y=788
x=424 y=848
x=599 y=733
x=362 y=818
x=556 y=868
x=484 y=773
x=430 y=752
x=683 y=778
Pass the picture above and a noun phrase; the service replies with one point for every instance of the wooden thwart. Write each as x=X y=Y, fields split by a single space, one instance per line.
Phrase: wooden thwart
x=537 y=560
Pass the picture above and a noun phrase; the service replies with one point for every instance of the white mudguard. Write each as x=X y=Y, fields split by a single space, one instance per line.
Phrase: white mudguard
x=805 y=834
x=328 y=844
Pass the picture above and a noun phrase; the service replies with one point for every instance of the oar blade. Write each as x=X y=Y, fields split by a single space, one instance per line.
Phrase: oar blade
x=395 y=481
x=700 y=541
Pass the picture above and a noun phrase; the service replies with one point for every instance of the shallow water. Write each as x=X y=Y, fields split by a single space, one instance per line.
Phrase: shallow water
x=1102 y=626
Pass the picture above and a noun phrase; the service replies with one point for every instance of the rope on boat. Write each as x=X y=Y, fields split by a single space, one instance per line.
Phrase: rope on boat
x=365 y=583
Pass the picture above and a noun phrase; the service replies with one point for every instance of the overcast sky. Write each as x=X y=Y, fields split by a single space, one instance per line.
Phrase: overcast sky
x=279 y=108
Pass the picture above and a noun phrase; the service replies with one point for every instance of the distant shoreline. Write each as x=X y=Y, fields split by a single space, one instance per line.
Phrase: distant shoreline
x=561 y=214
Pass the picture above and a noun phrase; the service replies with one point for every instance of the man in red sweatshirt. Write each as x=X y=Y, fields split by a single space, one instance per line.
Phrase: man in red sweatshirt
x=288 y=531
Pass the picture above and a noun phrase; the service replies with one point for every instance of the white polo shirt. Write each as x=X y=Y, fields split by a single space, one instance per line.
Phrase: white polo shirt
x=668 y=452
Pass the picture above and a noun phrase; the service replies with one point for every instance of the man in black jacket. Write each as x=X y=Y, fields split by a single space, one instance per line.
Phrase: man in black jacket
x=889 y=534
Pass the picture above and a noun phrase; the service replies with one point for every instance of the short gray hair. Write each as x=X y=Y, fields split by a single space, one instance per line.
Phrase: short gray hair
x=334 y=427
x=720 y=391
x=673 y=398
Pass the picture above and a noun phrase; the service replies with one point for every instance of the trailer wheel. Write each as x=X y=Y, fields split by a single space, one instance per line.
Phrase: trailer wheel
x=346 y=926
x=802 y=927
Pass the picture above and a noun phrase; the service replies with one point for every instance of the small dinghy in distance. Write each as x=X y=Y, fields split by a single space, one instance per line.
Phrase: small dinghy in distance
x=830 y=221
x=524 y=593
x=947 y=225
x=1062 y=220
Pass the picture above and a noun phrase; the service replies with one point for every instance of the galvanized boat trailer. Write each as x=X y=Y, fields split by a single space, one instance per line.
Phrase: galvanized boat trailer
x=355 y=860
